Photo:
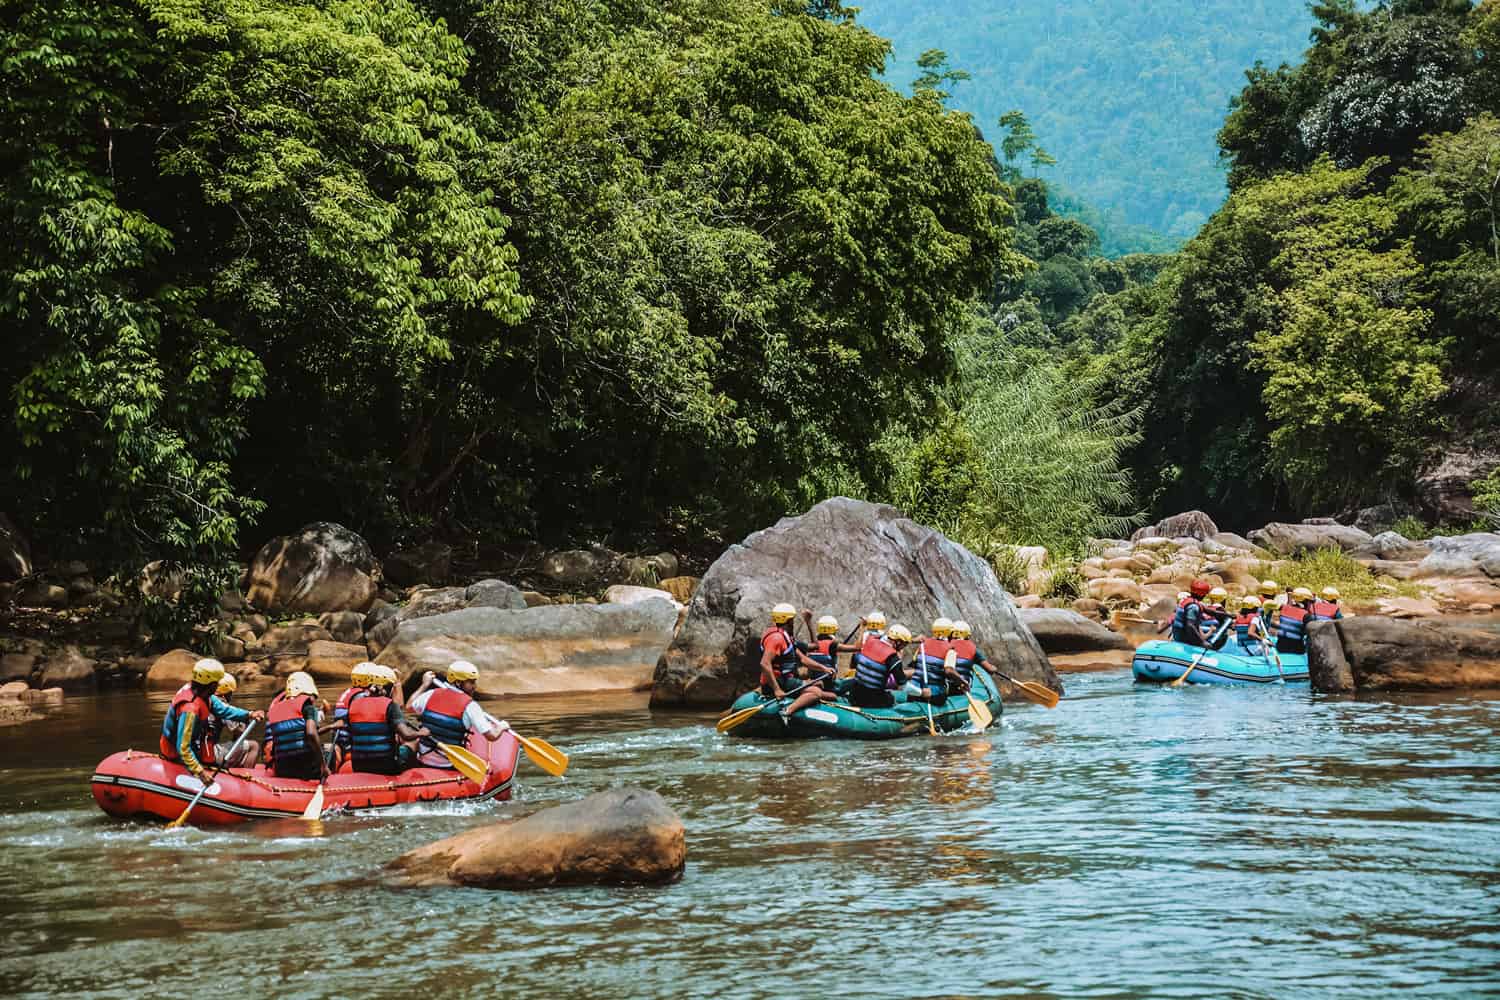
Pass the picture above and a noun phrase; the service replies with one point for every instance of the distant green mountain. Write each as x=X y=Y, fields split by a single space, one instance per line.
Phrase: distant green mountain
x=1126 y=94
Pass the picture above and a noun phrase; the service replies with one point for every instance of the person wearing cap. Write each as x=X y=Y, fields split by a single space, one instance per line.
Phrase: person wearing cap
x=878 y=662
x=781 y=656
x=187 y=731
x=449 y=713
x=1187 y=624
x=933 y=670
x=1291 y=632
x=1326 y=608
x=380 y=739
x=228 y=721
x=292 y=731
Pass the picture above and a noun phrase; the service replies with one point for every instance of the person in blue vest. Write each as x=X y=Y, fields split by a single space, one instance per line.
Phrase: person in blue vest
x=292 y=731
x=878 y=662
x=1326 y=608
x=450 y=713
x=194 y=717
x=1248 y=628
x=380 y=739
x=1291 y=632
x=968 y=656
x=1187 y=624
x=825 y=651
x=932 y=672
x=781 y=656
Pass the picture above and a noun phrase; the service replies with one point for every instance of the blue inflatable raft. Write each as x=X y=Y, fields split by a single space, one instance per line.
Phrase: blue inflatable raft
x=841 y=720
x=1159 y=662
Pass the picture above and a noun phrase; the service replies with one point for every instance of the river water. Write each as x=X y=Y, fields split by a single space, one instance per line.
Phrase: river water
x=1133 y=843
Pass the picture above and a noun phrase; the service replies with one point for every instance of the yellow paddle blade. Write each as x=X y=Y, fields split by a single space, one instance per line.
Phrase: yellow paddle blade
x=734 y=719
x=314 y=805
x=1041 y=694
x=544 y=755
x=980 y=714
x=466 y=762
x=183 y=818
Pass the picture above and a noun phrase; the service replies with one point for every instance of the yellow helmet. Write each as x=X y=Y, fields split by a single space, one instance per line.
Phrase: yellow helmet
x=1302 y=594
x=1249 y=602
x=783 y=613
x=208 y=671
x=1218 y=595
x=462 y=670
x=1331 y=594
x=961 y=629
x=828 y=625
x=942 y=628
x=300 y=682
x=362 y=674
x=899 y=633
x=875 y=620
x=381 y=675
x=1269 y=588
x=227 y=685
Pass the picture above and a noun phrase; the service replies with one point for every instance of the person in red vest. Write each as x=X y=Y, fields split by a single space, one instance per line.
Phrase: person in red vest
x=449 y=712
x=825 y=651
x=1327 y=609
x=1291 y=628
x=878 y=662
x=968 y=656
x=187 y=731
x=781 y=656
x=380 y=740
x=292 y=731
x=933 y=671
x=359 y=684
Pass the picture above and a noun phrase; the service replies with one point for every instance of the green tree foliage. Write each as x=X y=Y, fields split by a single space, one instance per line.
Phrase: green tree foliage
x=1126 y=94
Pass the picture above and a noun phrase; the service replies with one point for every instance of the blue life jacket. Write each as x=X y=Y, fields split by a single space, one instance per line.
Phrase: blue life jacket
x=1242 y=631
x=1292 y=634
x=1184 y=624
x=927 y=669
x=785 y=663
x=286 y=729
x=870 y=670
x=824 y=656
x=968 y=655
x=443 y=716
x=372 y=737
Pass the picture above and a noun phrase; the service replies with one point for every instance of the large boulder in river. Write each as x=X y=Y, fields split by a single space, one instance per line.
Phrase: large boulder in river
x=70 y=670
x=381 y=625
x=15 y=551
x=1189 y=524
x=845 y=558
x=624 y=836
x=325 y=567
x=544 y=650
x=172 y=670
x=1291 y=539
x=1374 y=653
x=1058 y=630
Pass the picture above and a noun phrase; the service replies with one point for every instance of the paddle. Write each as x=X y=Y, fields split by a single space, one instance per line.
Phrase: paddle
x=979 y=713
x=1269 y=648
x=1193 y=666
x=734 y=719
x=217 y=771
x=314 y=808
x=543 y=754
x=1041 y=694
x=922 y=655
x=466 y=762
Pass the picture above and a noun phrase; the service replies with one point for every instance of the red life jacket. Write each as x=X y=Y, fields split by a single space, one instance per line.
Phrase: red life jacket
x=932 y=654
x=785 y=662
x=443 y=715
x=1293 y=627
x=286 y=728
x=1325 y=611
x=203 y=741
x=870 y=670
x=966 y=653
x=825 y=653
x=372 y=737
x=341 y=707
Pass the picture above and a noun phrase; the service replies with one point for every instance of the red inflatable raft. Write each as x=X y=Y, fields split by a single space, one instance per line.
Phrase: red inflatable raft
x=137 y=783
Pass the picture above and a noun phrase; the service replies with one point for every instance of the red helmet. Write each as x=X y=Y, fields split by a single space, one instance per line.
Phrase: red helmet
x=1200 y=588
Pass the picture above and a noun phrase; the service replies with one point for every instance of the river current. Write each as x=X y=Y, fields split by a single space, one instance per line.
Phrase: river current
x=1195 y=842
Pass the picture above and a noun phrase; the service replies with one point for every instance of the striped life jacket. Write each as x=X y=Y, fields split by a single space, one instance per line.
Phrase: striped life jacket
x=1326 y=611
x=785 y=663
x=371 y=736
x=870 y=670
x=286 y=729
x=1292 y=636
x=186 y=702
x=1242 y=624
x=931 y=653
x=968 y=655
x=824 y=654
x=443 y=715
x=1181 y=626
x=341 y=711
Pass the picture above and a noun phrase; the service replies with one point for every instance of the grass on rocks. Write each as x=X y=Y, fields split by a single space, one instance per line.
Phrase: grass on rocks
x=1334 y=567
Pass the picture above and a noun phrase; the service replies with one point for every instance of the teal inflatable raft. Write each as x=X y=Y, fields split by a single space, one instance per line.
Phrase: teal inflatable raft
x=840 y=720
x=1158 y=662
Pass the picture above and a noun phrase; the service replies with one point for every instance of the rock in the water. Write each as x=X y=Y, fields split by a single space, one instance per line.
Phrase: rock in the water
x=172 y=670
x=543 y=650
x=1189 y=524
x=1389 y=546
x=624 y=836
x=42 y=696
x=1060 y=631
x=845 y=558
x=494 y=594
x=13 y=689
x=1472 y=555
x=1114 y=590
x=287 y=640
x=1408 y=607
x=326 y=567
x=1326 y=664
x=1291 y=539
x=430 y=562
x=70 y=670
x=15 y=551
x=1387 y=655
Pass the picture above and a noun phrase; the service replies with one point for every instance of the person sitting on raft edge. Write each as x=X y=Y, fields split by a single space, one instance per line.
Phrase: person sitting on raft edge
x=878 y=660
x=781 y=655
x=449 y=712
x=1187 y=625
x=187 y=731
x=292 y=731
x=227 y=726
x=967 y=656
x=1291 y=633
x=380 y=739
x=929 y=675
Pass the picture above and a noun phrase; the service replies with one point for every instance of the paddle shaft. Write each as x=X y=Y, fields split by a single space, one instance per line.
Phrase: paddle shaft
x=1029 y=688
x=734 y=719
x=1202 y=652
x=217 y=771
